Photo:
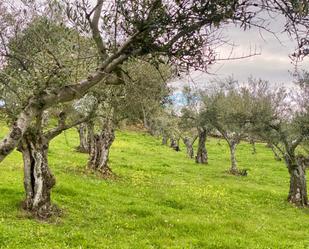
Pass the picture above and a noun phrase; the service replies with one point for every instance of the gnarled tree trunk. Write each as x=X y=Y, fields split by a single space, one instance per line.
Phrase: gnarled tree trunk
x=252 y=142
x=202 y=154
x=90 y=135
x=145 y=121
x=175 y=144
x=38 y=179
x=99 y=152
x=234 y=168
x=298 y=185
x=189 y=145
x=83 y=138
x=164 y=140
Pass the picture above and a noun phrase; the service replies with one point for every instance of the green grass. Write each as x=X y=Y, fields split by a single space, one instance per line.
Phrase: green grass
x=161 y=200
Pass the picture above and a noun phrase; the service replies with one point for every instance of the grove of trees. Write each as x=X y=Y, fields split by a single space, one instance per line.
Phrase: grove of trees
x=95 y=65
x=278 y=117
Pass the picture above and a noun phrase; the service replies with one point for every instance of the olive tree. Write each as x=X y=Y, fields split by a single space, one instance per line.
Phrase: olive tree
x=229 y=110
x=284 y=123
x=192 y=118
x=100 y=144
x=101 y=131
x=166 y=123
x=142 y=87
x=20 y=80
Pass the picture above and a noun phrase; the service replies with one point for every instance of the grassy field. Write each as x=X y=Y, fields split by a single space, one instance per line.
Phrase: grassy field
x=160 y=200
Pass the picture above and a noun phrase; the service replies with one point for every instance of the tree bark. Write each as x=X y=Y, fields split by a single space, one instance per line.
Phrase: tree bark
x=99 y=152
x=164 y=140
x=234 y=168
x=202 y=154
x=276 y=155
x=90 y=135
x=175 y=144
x=189 y=146
x=83 y=138
x=145 y=121
x=252 y=142
x=38 y=179
x=298 y=185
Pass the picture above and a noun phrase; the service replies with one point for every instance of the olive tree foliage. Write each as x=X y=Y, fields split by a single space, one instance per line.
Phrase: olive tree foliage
x=284 y=124
x=184 y=31
x=146 y=90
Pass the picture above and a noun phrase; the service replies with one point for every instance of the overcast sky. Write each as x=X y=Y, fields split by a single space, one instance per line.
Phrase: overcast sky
x=273 y=64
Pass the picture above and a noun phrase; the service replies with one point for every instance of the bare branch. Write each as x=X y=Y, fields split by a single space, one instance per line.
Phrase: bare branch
x=94 y=25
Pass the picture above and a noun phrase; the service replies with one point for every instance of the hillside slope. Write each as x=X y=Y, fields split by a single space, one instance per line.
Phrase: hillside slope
x=161 y=199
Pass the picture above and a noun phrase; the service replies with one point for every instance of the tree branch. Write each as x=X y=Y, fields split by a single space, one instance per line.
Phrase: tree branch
x=94 y=25
x=51 y=134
